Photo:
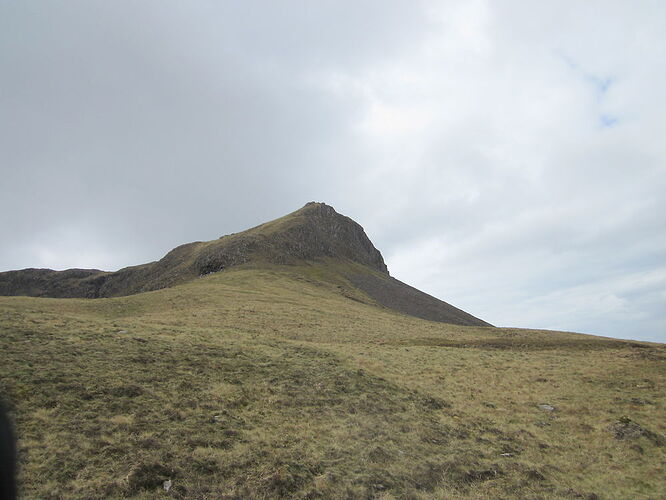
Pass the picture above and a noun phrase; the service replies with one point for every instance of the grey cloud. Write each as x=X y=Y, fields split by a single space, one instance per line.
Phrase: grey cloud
x=116 y=122
x=466 y=137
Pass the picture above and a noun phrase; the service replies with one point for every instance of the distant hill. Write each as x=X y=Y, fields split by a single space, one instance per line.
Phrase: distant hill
x=313 y=233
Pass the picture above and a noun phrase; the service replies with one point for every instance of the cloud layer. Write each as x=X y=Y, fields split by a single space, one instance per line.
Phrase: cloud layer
x=504 y=156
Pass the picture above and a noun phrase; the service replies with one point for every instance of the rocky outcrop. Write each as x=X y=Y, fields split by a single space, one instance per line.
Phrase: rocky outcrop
x=49 y=283
x=313 y=232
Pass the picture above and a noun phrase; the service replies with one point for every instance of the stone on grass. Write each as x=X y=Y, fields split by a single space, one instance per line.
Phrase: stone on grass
x=626 y=429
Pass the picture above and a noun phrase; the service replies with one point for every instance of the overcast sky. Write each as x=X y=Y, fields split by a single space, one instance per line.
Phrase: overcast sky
x=508 y=157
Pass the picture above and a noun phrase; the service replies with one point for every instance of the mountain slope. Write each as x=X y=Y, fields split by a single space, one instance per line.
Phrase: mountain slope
x=311 y=234
x=406 y=299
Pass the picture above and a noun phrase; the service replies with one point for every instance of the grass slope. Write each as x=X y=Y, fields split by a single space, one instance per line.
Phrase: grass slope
x=288 y=382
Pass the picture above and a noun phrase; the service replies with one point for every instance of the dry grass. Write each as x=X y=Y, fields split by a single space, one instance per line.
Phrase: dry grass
x=272 y=382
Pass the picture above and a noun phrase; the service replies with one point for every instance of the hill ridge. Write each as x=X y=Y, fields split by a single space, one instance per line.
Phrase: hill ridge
x=313 y=233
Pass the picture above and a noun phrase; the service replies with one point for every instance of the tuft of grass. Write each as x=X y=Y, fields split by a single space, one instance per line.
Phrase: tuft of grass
x=273 y=382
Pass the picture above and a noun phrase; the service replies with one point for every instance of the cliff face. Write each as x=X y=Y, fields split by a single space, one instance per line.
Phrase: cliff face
x=313 y=232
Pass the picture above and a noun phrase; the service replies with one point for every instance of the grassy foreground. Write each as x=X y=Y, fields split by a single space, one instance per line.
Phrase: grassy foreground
x=286 y=382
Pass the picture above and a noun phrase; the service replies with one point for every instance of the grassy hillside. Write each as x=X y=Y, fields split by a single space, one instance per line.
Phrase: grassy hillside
x=287 y=382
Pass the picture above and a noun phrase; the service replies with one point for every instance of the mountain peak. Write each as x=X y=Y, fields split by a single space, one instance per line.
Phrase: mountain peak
x=318 y=208
x=313 y=232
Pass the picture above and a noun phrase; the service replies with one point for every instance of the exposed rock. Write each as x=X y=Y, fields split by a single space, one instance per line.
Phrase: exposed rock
x=546 y=407
x=83 y=283
x=626 y=429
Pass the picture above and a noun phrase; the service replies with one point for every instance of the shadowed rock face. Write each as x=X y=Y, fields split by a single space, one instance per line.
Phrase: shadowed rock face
x=314 y=232
x=49 y=283
x=406 y=299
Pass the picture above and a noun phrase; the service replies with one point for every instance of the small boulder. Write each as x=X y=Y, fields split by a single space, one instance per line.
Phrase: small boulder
x=626 y=429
